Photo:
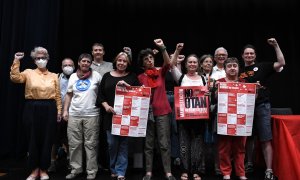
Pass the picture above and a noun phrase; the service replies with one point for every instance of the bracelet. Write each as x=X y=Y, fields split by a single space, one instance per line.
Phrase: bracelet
x=163 y=48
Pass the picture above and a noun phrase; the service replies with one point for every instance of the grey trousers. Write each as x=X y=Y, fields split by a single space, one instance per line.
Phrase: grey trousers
x=83 y=131
x=160 y=131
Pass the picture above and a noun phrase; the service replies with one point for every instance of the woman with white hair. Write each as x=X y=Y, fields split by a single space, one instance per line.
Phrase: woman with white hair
x=41 y=111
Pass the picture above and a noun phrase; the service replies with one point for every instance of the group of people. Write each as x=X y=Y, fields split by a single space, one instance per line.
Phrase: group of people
x=84 y=102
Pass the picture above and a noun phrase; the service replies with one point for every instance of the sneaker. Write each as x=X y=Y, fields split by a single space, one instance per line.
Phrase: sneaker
x=249 y=168
x=72 y=176
x=91 y=176
x=270 y=176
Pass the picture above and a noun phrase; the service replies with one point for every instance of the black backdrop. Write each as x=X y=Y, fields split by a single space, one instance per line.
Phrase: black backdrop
x=68 y=28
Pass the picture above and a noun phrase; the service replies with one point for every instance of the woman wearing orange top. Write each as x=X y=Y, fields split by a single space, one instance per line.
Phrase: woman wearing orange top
x=41 y=111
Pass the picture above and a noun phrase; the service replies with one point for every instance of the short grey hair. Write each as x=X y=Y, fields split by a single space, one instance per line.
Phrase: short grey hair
x=39 y=50
x=221 y=48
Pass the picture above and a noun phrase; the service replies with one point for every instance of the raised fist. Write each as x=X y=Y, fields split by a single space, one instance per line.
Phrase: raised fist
x=127 y=50
x=19 y=55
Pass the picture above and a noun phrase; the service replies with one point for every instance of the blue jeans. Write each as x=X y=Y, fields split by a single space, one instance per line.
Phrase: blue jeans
x=118 y=153
x=174 y=130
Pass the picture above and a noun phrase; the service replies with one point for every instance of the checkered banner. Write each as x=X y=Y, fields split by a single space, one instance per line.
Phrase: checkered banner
x=131 y=107
x=236 y=103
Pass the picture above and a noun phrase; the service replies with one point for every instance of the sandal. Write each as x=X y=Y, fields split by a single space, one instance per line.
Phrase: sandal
x=184 y=176
x=196 y=177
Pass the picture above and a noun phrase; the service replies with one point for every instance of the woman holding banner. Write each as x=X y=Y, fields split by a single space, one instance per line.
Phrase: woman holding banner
x=117 y=145
x=190 y=131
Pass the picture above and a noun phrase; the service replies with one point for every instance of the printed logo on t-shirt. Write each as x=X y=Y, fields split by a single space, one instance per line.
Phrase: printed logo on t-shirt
x=83 y=85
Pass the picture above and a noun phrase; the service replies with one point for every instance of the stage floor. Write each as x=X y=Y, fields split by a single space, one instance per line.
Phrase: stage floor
x=12 y=169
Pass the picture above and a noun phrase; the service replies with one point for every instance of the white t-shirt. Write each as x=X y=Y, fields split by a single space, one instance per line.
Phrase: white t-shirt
x=84 y=95
x=186 y=81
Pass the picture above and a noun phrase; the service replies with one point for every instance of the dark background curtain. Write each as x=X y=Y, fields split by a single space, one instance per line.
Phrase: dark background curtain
x=68 y=28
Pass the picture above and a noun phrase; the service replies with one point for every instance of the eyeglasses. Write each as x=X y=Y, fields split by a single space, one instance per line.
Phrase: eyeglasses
x=38 y=58
x=65 y=65
x=221 y=55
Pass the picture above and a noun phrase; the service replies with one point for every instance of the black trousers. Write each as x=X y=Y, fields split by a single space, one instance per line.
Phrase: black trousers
x=40 y=118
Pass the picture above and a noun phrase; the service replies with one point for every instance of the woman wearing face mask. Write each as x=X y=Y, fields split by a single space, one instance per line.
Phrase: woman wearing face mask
x=42 y=109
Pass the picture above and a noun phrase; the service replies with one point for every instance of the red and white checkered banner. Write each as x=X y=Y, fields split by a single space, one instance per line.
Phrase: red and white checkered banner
x=236 y=103
x=131 y=107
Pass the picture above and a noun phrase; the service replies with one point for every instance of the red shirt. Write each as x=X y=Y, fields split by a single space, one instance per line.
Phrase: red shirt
x=160 y=103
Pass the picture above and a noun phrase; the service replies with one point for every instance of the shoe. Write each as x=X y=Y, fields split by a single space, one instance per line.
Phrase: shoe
x=147 y=177
x=72 y=176
x=32 y=177
x=249 y=168
x=243 y=178
x=44 y=177
x=226 y=177
x=91 y=176
x=184 y=176
x=270 y=176
x=121 y=178
x=196 y=177
x=171 y=178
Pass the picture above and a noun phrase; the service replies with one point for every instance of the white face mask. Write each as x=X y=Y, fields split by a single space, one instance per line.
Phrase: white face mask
x=41 y=63
x=68 y=70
